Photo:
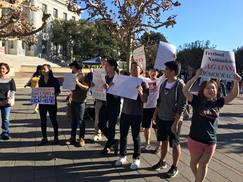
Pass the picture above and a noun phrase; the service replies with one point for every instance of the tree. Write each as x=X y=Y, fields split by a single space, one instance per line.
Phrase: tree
x=239 y=59
x=151 y=40
x=127 y=19
x=84 y=39
x=14 y=20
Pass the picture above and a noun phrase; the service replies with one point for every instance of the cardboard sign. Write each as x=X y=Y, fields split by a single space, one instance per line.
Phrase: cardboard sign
x=98 y=91
x=166 y=52
x=139 y=56
x=218 y=64
x=43 y=95
x=69 y=82
x=125 y=86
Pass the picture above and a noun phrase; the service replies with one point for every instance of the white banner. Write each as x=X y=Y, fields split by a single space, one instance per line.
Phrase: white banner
x=69 y=81
x=166 y=52
x=139 y=56
x=43 y=95
x=218 y=64
x=98 y=91
x=125 y=86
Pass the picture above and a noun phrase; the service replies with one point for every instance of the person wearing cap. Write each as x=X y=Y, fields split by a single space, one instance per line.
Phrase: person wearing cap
x=131 y=115
x=77 y=101
x=168 y=116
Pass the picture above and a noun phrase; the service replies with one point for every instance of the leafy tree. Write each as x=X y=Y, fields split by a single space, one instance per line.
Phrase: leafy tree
x=151 y=40
x=127 y=19
x=239 y=60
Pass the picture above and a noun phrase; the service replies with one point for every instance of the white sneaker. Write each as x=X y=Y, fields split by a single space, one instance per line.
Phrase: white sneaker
x=97 y=138
x=135 y=164
x=121 y=161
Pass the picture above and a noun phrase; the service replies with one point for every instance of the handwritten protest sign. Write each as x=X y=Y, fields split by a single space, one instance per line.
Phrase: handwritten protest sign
x=139 y=56
x=166 y=52
x=98 y=91
x=218 y=64
x=43 y=95
x=69 y=82
x=125 y=86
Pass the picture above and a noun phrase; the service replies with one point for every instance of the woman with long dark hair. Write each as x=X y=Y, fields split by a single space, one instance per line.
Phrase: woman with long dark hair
x=48 y=80
x=7 y=92
x=203 y=131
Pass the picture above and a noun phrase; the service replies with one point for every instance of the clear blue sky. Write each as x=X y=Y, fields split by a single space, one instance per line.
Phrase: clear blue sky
x=219 y=21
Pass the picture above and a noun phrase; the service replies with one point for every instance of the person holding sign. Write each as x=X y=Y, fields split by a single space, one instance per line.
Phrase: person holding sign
x=48 y=80
x=7 y=93
x=168 y=116
x=202 y=137
x=110 y=110
x=77 y=101
x=132 y=116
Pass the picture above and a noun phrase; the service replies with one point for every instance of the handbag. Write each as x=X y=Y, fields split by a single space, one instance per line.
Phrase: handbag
x=10 y=98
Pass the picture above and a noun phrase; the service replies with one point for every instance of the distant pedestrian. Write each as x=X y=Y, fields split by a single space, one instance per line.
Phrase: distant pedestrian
x=202 y=137
x=47 y=79
x=7 y=95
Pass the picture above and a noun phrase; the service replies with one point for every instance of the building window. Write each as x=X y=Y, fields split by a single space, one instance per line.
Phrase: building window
x=65 y=16
x=73 y=18
x=11 y=44
x=44 y=8
x=55 y=13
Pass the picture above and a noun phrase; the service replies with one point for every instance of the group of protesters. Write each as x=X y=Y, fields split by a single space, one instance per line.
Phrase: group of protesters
x=159 y=105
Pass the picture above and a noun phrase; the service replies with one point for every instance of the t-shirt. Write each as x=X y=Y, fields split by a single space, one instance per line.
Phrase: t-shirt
x=5 y=86
x=153 y=86
x=134 y=107
x=79 y=95
x=205 y=119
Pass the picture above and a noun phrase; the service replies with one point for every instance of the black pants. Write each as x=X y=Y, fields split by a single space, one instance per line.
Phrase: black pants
x=107 y=123
x=125 y=122
x=52 y=110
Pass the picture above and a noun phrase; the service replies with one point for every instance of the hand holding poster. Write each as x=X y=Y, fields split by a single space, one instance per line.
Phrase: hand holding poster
x=98 y=91
x=43 y=95
x=166 y=52
x=139 y=56
x=218 y=64
x=125 y=86
x=69 y=81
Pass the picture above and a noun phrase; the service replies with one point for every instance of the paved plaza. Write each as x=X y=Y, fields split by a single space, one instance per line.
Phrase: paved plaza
x=21 y=160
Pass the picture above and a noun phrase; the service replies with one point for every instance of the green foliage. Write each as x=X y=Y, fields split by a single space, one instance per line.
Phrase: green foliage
x=85 y=39
x=239 y=60
x=190 y=55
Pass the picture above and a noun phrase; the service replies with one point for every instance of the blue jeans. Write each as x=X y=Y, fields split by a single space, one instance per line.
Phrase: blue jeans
x=77 y=115
x=5 y=113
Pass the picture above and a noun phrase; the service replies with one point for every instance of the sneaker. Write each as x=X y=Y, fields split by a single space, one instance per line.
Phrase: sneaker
x=81 y=142
x=97 y=137
x=106 y=151
x=160 y=165
x=5 y=137
x=173 y=171
x=121 y=161
x=116 y=147
x=72 y=141
x=135 y=164
x=44 y=141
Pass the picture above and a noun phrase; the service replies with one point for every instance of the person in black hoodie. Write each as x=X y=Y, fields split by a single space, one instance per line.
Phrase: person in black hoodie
x=48 y=80
x=110 y=110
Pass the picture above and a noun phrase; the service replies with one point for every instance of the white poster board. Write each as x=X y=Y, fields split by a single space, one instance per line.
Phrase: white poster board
x=125 y=86
x=166 y=52
x=69 y=82
x=98 y=91
x=139 y=56
x=218 y=64
x=43 y=95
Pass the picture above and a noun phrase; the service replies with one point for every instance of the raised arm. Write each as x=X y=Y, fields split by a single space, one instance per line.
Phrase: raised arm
x=187 y=88
x=234 y=91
